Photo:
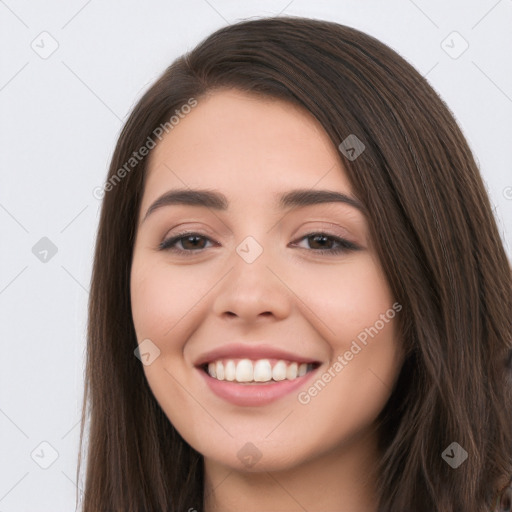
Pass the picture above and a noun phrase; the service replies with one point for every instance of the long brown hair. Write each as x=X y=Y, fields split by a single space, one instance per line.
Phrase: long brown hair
x=432 y=225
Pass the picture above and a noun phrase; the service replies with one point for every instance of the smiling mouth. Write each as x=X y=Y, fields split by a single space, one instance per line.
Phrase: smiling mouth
x=260 y=371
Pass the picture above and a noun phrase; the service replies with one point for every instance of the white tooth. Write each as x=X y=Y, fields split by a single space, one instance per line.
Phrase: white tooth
x=230 y=370
x=244 y=371
x=219 y=370
x=303 y=368
x=291 y=371
x=262 y=371
x=279 y=371
x=211 y=370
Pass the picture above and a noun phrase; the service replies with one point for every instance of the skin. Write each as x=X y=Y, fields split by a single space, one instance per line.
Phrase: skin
x=317 y=456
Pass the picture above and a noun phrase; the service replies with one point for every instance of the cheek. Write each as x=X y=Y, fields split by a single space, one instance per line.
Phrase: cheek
x=163 y=311
x=357 y=318
x=343 y=300
x=163 y=299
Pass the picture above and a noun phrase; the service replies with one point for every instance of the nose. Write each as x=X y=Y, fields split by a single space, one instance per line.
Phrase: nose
x=253 y=291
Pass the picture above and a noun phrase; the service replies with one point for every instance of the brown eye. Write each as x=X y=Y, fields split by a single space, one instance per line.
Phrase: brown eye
x=190 y=242
x=325 y=243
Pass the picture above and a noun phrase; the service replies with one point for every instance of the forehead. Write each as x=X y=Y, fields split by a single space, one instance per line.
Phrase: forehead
x=247 y=146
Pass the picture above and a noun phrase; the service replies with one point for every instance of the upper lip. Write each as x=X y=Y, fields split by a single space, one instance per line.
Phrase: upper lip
x=244 y=351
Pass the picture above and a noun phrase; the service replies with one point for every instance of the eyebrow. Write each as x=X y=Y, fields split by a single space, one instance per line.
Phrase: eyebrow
x=217 y=201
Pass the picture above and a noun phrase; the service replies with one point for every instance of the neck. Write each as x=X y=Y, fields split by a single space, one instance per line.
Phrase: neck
x=342 y=479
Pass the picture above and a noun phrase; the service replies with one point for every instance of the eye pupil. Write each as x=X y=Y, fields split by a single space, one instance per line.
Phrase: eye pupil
x=189 y=238
x=322 y=238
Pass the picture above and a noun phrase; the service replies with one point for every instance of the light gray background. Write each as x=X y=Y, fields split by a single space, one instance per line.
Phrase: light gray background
x=60 y=117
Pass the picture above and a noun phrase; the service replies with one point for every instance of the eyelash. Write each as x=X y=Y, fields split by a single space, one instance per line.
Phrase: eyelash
x=345 y=245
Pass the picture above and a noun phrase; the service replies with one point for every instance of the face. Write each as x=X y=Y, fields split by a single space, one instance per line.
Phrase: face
x=254 y=282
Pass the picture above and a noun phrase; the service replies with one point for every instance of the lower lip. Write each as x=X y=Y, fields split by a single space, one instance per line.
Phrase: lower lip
x=248 y=395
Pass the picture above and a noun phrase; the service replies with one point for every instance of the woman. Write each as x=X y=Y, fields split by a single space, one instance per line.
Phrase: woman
x=237 y=359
